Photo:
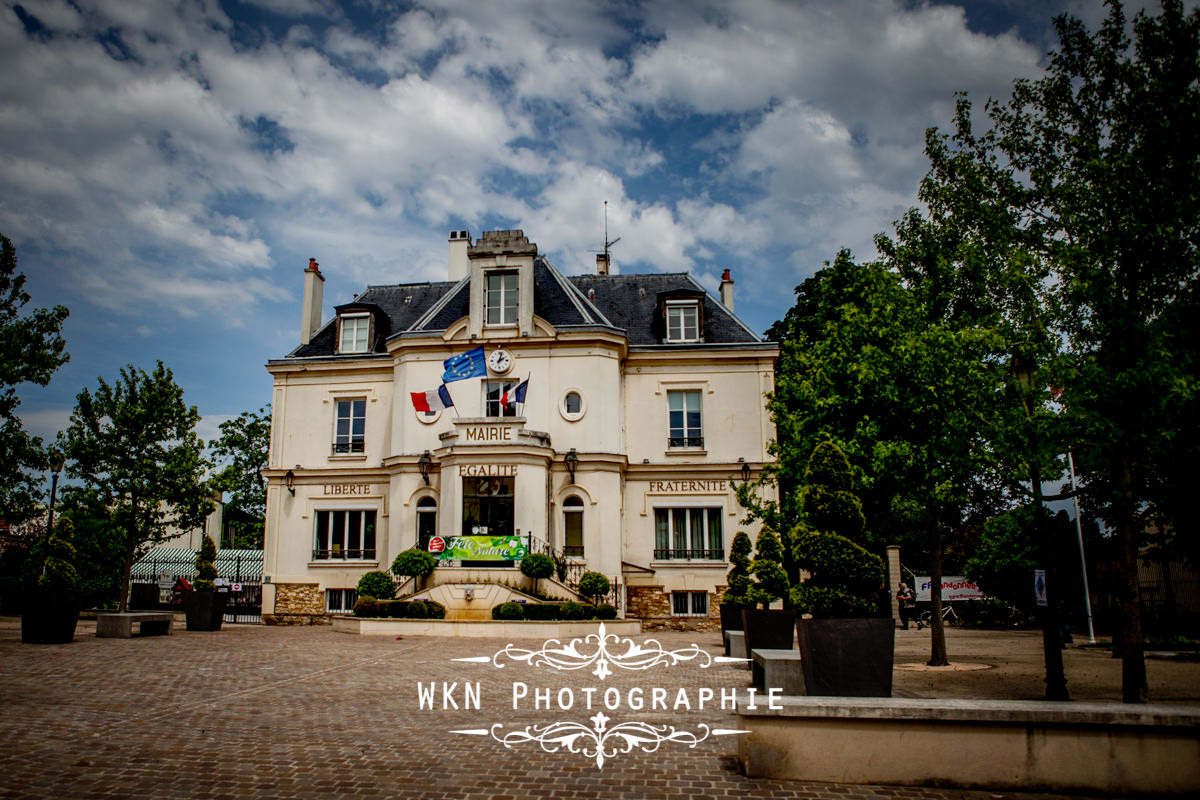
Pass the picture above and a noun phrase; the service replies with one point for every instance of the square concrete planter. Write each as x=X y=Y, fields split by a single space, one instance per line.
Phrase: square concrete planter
x=847 y=657
x=769 y=630
x=49 y=617
x=205 y=610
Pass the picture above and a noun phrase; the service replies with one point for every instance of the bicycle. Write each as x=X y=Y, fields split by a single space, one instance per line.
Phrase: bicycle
x=949 y=615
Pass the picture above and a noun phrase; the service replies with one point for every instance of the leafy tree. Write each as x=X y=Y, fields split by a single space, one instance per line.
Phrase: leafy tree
x=240 y=452
x=133 y=443
x=414 y=562
x=31 y=349
x=738 y=581
x=1104 y=152
x=376 y=584
x=593 y=585
x=98 y=548
x=537 y=566
x=767 y=567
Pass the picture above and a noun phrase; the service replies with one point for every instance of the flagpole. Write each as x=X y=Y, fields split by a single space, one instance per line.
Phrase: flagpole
x=452 y=405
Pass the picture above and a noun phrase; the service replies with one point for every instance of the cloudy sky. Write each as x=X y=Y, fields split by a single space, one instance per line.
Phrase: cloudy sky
x=167 y=169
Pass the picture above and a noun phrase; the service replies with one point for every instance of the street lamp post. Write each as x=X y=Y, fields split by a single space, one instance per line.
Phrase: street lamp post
x=57 y=459
x=1023 y=369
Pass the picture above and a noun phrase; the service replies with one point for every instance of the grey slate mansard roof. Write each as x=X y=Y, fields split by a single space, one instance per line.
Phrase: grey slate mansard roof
x=626 y=303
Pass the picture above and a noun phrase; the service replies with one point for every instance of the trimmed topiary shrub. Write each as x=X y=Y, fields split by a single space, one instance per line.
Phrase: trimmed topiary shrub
x=593 y=585
x=367 y=607
x=537 y=566
x=58 y=573
x=739 y=581
x=606 y=612
x=435 y=610
x=417 y=609
x=509 y=611
x=414 y=563
x=206 y=566
x=376 y=584
x=767 y=566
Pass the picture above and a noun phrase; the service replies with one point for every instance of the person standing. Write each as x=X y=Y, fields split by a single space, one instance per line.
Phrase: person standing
x=908 y=604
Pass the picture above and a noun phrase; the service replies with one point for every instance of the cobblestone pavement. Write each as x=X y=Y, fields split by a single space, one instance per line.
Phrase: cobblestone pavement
x=260 y=712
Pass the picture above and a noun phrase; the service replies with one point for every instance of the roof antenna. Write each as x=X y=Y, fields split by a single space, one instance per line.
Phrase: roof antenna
x=602 y=257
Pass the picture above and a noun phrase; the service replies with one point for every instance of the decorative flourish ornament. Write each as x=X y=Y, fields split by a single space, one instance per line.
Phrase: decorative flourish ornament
x=599 y=741
x=575 y=655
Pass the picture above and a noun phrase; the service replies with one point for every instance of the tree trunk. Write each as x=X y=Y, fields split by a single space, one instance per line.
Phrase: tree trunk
x=131 y=544
x=1133 y=662
x=937 y=652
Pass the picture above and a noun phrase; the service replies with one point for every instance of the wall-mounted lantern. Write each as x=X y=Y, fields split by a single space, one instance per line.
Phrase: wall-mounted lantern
x=423 y=465
x=572 y=461
x=745 y=470
x=289 y=480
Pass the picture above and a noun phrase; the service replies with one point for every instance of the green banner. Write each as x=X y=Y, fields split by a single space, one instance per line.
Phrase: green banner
x=483 y=548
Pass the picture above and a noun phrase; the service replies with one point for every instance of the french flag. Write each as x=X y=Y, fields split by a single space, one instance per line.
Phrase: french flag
x=514 y=395
x=433 y=400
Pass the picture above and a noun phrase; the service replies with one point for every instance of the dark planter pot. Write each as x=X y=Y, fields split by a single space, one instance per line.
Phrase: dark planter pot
x=49 y=617
x=205 y=610
x=731 y=616
x=847 y=657
x=769 y=630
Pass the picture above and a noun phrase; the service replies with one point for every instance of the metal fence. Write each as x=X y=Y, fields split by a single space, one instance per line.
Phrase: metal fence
x=155 y=581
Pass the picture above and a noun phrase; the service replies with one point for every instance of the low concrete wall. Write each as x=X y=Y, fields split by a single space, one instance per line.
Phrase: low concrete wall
x=994 y=744
x=471 y=627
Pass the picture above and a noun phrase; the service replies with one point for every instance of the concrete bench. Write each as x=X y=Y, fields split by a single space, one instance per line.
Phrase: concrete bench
x=778 y=669
x=120 y=626
x=735 y=644
x=1107 y=748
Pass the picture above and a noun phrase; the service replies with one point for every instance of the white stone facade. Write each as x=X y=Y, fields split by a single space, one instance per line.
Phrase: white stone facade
x=607 y=358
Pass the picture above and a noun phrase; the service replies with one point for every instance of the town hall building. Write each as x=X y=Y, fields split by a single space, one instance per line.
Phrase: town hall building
x=598 y=418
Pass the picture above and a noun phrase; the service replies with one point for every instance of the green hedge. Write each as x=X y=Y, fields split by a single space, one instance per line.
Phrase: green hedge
x=369 y=607
x=551 y=612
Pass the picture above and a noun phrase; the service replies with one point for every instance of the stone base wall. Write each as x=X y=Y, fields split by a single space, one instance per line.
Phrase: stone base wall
x=299 y=598
x=652 y=606
x=297 y=619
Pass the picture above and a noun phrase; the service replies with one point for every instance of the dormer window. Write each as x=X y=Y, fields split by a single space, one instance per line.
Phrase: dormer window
x=500 y=305
x=355 y=333
x=683 y=321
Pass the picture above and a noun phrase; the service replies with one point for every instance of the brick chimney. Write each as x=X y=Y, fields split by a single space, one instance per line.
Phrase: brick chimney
x=727 y=290
x=314 y=291
x=602 y=263
x=460 y=242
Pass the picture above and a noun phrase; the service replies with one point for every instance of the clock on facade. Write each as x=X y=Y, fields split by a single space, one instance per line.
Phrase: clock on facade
x=499 y=361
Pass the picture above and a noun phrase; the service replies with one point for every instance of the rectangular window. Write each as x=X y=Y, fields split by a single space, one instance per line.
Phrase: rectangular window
x=355 y=331
x=688 y=533
x=345 y=535
x=488 y=506
x=501 y=303
x=689 y=604
x=350 y=431
x=494 y=393
x=684 y=411
x=340 y=601
x=683 y=322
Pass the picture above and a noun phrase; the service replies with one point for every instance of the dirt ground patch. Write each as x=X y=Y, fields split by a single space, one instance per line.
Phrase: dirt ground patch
x=1017 y=669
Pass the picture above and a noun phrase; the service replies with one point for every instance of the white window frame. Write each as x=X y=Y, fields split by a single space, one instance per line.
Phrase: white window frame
x=498 y=387
x=344 y=597
x=572 y=416
x=423 y=510
x=507 y=298
x=691 y=538
x=360 y=341
x=678 y=322
x=350 y=442
x=328 y=558
x=567 y=511
x=690 y=438
x=690 y=603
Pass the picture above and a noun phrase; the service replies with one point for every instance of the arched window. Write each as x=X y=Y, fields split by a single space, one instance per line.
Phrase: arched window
x=573 y=526
x=426 y=521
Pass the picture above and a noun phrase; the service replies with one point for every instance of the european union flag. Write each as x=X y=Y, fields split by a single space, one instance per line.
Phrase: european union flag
x=470 y=364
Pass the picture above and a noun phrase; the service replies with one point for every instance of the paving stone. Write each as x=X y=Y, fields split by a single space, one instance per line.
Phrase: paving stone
x=302 y=712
